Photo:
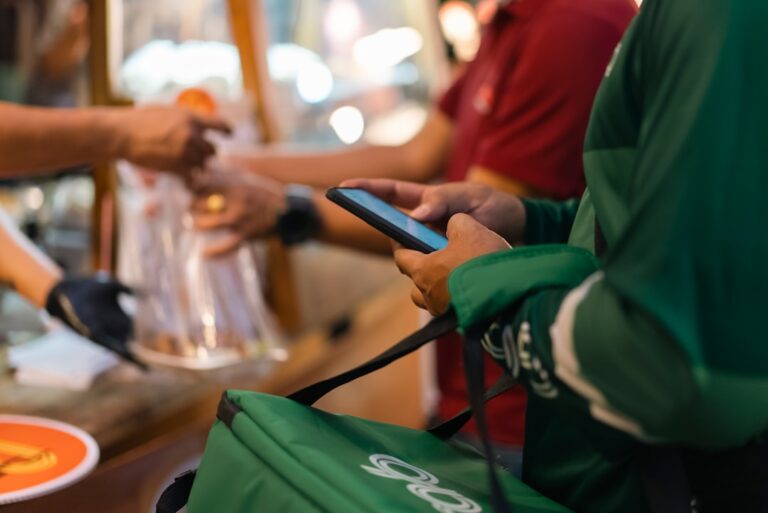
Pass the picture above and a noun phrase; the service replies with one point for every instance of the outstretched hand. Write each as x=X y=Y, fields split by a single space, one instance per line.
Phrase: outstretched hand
x=166 y=138
x=245 y=206
x=90 y=307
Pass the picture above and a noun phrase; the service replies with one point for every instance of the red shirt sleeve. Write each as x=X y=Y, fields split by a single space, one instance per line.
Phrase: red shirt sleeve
x=536 y=131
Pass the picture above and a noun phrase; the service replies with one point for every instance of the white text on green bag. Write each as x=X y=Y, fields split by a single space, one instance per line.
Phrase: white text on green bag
x=422 y=484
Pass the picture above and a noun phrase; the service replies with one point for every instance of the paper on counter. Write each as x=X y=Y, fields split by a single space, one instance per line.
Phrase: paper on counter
x=60 y=359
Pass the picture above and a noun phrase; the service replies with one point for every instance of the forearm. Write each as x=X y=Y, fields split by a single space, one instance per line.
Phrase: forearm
x=577 y=370
x=35 y=139
x=23 y=266
x=419 y=160
x=589 y=351
x=322 y=169
x=580 y=344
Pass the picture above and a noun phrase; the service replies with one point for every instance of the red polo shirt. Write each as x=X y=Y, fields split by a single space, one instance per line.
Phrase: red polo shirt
x=521 y=110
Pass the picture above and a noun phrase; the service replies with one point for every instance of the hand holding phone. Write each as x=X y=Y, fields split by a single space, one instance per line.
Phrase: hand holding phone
x=387 y=219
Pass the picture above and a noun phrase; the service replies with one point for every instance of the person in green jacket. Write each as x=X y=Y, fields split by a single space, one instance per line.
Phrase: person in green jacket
x=664 y=343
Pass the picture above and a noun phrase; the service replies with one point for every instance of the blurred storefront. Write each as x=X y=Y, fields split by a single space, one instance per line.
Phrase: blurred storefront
x=304 y=73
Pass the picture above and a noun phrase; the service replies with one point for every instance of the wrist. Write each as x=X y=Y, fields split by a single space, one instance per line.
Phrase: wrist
x=45 y=288
x=112 y=122
x=515 y=233
x=298 y=220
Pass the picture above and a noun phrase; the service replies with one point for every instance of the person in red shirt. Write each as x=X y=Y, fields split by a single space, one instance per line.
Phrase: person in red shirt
x=515 y=120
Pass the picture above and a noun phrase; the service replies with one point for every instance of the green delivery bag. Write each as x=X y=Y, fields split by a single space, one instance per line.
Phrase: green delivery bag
x=273 y=454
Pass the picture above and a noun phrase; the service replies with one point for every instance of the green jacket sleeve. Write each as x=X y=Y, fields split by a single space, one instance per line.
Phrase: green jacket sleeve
x=667 y=342
x=549 y=222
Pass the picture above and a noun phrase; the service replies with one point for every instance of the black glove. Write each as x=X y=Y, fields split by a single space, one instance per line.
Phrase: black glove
x=90 y=307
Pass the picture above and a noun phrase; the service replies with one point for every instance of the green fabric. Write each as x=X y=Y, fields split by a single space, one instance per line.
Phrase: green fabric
x=667 y=342
x=483 y=287
x=676 y=161
x=548 y=222
x=280 y=456
x=584 y=464
x=583 y=231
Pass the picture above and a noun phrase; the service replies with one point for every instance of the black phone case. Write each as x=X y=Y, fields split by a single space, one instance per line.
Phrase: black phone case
x=384 y=226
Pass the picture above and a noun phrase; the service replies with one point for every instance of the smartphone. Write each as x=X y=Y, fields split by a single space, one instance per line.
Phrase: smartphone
x=387 y=219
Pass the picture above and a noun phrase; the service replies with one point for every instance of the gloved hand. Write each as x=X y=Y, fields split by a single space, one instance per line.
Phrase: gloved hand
x=89 y=306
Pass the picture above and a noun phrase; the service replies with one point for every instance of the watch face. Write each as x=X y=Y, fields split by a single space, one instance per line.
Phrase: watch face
x=300 y=221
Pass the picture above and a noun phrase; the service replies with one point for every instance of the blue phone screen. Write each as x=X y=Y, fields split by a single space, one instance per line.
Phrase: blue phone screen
x=394 y=216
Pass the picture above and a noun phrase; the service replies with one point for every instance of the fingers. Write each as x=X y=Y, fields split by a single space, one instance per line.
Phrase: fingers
x=413 y=264
x=204 y=185
x=224 y=246
x=401 y=194
x=441 y=202
x=119 y=348
x=197 y=151
x=460 y=224
x=213 y=220
x=122 y=288
x=205 y=147
x=203 y=188
x=433 y=209
x=212 y=123
x=418 y=298
x=430 y=204
x=409 y=261
x=194 y=156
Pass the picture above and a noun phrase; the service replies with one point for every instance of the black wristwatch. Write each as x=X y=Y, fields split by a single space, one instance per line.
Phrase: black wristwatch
x=300 y=221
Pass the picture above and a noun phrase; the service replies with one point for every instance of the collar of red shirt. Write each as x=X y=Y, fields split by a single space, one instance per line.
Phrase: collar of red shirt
x=521 y=8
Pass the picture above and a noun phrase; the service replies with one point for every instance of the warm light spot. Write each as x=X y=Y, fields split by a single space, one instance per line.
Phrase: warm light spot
x=348 y=123
x=34 y=198
x=314 y=82
x=387 y=47
x=342 y=21
x=461 y=28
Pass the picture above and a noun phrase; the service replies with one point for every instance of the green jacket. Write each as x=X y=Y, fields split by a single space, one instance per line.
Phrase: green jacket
x=661 y=339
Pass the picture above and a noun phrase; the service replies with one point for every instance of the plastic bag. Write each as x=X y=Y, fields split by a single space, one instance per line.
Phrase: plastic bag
x=192 y=311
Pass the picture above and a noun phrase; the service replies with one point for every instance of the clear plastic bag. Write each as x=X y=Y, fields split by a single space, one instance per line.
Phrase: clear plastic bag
x=192 y=311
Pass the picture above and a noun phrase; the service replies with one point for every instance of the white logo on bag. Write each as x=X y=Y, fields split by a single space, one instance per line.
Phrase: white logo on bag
x=422 y=484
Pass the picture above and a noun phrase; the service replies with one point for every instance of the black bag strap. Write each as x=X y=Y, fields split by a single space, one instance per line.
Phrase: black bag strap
x=664 y=479
x=450 y=427
x=438 y=326
x=475 y=376
x=176 y=495
x=474 y=369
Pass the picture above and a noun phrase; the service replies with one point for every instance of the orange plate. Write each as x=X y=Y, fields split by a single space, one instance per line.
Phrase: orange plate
x=39 y=456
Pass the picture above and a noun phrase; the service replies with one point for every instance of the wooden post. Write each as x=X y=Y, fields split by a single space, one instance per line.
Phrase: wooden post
x=245 y=15
x=103 y=226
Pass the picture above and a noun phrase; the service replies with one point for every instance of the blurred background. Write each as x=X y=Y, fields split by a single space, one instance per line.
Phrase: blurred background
x=307 y=74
